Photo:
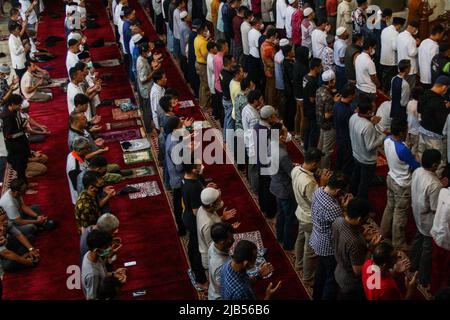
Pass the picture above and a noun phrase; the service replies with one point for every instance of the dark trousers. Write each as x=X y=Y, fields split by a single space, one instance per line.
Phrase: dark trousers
x=147 y=114
x=388 y=73
x=290 y=109
x=421 y=252
x=287 y=223
x=15 y=246
x=344 y=158
x=362 y=177
x=195 y=258
x=219 y=113
x=184 y=66
x=178 y=210
x=325 y=286
x=341 y=79
x=18 y=153
x=267 y=201
x=312 y=132
x=254 y=71
x=20 y=72
x=353 y=294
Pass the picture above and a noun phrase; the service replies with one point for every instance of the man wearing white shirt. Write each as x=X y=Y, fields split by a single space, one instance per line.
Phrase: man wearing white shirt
x=280 y=22
x=212 y=51
x=157 y=91
x=366 y=73
x=72 y=54
x=181 y=5
x=27 y=11
x=74 y=88
x=118 y=10
x=293 y=5
x=319 y=38
x=254 y=61
x=407 y=49
x=245 y=29
x=308 y=27
x=388 y=58
x=339 y=56
x=344 y=15
x=427 y=50
x=17 y=50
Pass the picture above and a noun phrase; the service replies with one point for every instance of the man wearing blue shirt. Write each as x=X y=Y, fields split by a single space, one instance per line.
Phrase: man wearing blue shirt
x=401 y=164
x=129 y=17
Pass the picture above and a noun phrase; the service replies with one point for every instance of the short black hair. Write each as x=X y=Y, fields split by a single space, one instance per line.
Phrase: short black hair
x=248 y=14
x=14 y=99
x=28 y=64
x=211 y=45
x=158 y=75
x=80 y=98
x=72 y=72
x=414 y=24
x=189 y=166
x=235 y=69
x=254 y=96
x=286 y=49
x=356 y=37
x=227 y=60
x=403 y=65
x=358 y=208
x=369 y=43
x=387 y=12
x=398 y=21
x=242 y=9
x=143 y=47
x=365 y=103
x=437 y=28
x=322 y=21
x=255 y=21
x=348 y=90
x=164 y=102
x=416 y=92
x=382 y=253
x=220 y=231
x=245 y=83
x=338 y=181
x=98 y=239
x=314 y=63
x=313 y=155
x=271 y=32
x=431 y=157
x=172 y=92
x=90 y=179
x=171 y=124
x=80 y=65
x=244 y=251
x=72 y=42
x=17 y=184
x=13 y=27
x=398 y=126
x=98 y=161
x=127 y=11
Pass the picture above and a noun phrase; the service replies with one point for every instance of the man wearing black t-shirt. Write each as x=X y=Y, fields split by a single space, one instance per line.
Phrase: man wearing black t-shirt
x=310 y=86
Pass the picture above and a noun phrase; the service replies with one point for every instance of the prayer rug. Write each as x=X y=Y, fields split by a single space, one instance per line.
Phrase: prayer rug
x=109 y=63
x=129 y=134
x=123 y=124
x=138 y=172
x=137 y=157
x=120 y=115
x=135 y=145
x=118 y=102
x=146 y=189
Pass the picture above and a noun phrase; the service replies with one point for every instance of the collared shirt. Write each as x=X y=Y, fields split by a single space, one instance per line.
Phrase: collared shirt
x=217 y=259
x=349 y=250
x=425 y=188
x=304 y=185
x=17 y=52
x=281 y=7
x=407 y=49
x=156 y=94
x=441 y=224
x=365 y=139
x=253 y=42
x=245 y=28
x=427 y=50
x=364 y=69
x=288 y=21
x=200 y=47
x=318 y=42
x=280 y=182
x=218 y=66
x=87 y=210
x=308 y=26
x=210 y=72
x=72 y=91
x=279 y=80
x=205 y=221
x=328 y=59
x=400 y=160
x=324 y=210
x=74 y=166
x=235 y=285
x=339 y=52
x=389 y=46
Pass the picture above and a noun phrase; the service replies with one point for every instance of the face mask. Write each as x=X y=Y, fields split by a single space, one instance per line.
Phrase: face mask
x=201 y=170
x=81 y=48
x=288 y=137
x=207 y=34
x=262 y=26
x=105 y=253
x=220 y=205
x=90 y=64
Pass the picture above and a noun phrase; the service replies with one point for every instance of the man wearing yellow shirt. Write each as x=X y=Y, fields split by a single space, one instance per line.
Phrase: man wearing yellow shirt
x=201 y=54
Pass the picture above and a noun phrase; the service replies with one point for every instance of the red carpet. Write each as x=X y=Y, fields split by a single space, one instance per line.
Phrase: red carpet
x=147 y=228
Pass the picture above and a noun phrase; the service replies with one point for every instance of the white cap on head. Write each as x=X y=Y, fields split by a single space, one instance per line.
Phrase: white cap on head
x=328 y=76
x=284 y=42
x=267 y=111
x=209 y=196
x=292 y=1
x=136 y=38
x=5 y=69
x=25 y=104
x=183 y=14
x=307 y=11
x=340 y=31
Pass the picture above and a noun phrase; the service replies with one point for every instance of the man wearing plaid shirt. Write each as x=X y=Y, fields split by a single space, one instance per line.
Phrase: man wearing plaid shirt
x=325 y=208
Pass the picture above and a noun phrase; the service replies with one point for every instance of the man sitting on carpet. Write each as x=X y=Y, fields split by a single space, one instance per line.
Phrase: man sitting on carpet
x=107 y=171
x=81 y=102
x=91 y=86
x=75 y=87
x=72 y=54
x=77 y=128
x=36 y=132
x=16 y=250
x=28 y=219
x=88 y=206
x=76 y=163
x=93 y=269
x=235 y=283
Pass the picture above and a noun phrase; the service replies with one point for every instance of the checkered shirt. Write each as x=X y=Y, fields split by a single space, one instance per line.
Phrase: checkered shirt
x=324 y=210
x=235 y=285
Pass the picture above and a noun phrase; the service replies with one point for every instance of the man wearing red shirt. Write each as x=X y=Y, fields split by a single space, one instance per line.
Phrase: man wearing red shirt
x=268 y=58
x=331 y=7
x=296 y=24
x=378 y=280
x=256 y=8
x=237 y=37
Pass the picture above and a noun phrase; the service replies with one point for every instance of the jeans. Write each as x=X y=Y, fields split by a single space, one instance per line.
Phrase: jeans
x=325 y=286
x=169 y=38
x=253 y=176
x=421 y=254
x=304 y=255
x=312 y=132
x=195 y=258
x=344 y=159
x=267 y=201
x=228 y=122
x=327 y=140
x=395 y=214
x=176 y=48
x=287 y=223
x=341 y=79
x=362 y=177
x=386 y=78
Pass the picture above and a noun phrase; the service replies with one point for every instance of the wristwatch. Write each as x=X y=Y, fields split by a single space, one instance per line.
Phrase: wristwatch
x=31 y=249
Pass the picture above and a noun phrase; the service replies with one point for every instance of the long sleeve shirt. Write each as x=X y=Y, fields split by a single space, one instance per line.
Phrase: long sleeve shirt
x=407 y=49
x=427 y=50
x=17 y=52
x=155 y=95
x=389 y=46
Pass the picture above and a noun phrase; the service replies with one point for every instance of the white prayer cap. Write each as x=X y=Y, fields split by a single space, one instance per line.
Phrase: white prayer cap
x=307 y=11
x=183 y=14
x=340 y=31
x=25 y=104
x=292 y=1
x=136 y=37
x=328 y=76
x=209 y=196
x=284 y=42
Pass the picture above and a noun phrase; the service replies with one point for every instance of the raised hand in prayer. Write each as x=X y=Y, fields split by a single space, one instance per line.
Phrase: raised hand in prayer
x=236 y=225
x=375 y=120
x=325 y=175
x=402 y=265
x=211 y=185
x=228 y=214
x=266 y=269
x=99 y=142
x=271 y=290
